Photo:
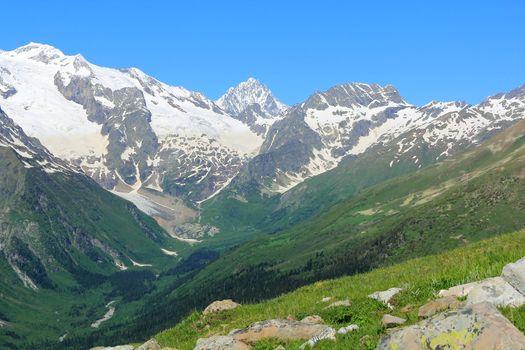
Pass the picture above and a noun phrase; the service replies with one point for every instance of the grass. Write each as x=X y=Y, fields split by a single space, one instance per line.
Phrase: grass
x=421 y=279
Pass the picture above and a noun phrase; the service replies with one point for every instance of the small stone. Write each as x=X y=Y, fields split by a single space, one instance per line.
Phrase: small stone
x=220 y=305
x=390 y=321
x=326 y=299
x=385 y=296
x=291 y=318
x=219 y=342
x=344 y=303
x=314 y=319
x=347 y=329
x=407 y=308
x=118 y=347
x=151 y=344
x=3 y=324
x=365 y=340
x=438 y=305
x=280 y=347
x=327 y=334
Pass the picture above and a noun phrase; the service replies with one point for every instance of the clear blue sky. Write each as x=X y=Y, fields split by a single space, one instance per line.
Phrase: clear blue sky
x=444 y=50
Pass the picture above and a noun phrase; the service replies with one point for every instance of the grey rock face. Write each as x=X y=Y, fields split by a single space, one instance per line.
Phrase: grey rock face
x=478 y=326
x=495 y=291
x=514 y=274
x=220 y=343
x=247 y=93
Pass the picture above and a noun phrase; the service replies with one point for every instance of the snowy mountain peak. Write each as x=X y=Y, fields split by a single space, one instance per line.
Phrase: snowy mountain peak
x=238 y=98
x=353 y=95
x=38 y=52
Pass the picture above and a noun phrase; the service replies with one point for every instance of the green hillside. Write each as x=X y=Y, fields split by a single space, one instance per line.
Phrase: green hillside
x=421 y=279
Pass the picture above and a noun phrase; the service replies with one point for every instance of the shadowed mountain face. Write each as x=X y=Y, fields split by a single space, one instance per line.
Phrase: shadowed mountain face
x=55 y=220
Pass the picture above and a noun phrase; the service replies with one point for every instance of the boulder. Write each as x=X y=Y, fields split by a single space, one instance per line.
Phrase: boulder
x=458 y=291
x=278 y=329
x=220 y=305
x=390 y=321
x=438 y=305
x=385 y=296
x=151 y=344
x=478 y=326
x=343 y=303
x=219 y=342
x=496 y=291
x=314 y=319
x=347 y=329
x=117 y=347
x=327 y=334
x=514 y=274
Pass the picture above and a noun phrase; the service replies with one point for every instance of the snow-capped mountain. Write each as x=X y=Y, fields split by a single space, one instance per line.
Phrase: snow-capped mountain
x=28 y=150
x=347 y=120
x=252 y=103
x=168 y=149
x=122 y=127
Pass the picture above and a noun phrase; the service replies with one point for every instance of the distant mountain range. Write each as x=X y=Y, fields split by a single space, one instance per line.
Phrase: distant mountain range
x=168 y=149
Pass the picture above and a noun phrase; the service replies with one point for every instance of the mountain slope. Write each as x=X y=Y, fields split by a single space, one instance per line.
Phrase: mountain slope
x=408 y=139
x=164 y=147
x=61 y=237
x=472 y=196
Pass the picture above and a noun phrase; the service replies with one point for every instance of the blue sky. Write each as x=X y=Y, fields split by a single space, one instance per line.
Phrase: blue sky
x=444 y=50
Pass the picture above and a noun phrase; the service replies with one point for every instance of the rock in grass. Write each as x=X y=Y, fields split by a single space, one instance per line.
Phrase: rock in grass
x=479 y=326
x=438 y=305
x=390 y=321
x=342 y=303
x=118 y=347
x=220 y=305
x=326 y=299
x=151 y=344
x=386 y=295
x=348 y=329
x=514 y=274
x=220 y=342
x=278 y=329
x=314 y=319
x=495 y=291
x=327 y=334
x=459 y=291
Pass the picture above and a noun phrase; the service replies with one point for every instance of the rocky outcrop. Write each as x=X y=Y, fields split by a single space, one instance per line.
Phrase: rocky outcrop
x=220 y=342
x=514 y=274
x=458 y=291
x=278 y=329
x=496 y=291
x=479 y=326
x=151 y=344
x=438 y=305
x=220 y=305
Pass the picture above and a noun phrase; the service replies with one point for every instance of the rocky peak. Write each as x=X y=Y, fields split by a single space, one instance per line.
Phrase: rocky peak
x=355 y=95
x=249 y=92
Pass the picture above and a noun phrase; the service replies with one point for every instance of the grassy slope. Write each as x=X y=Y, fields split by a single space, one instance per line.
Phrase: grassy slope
x=421 y=278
